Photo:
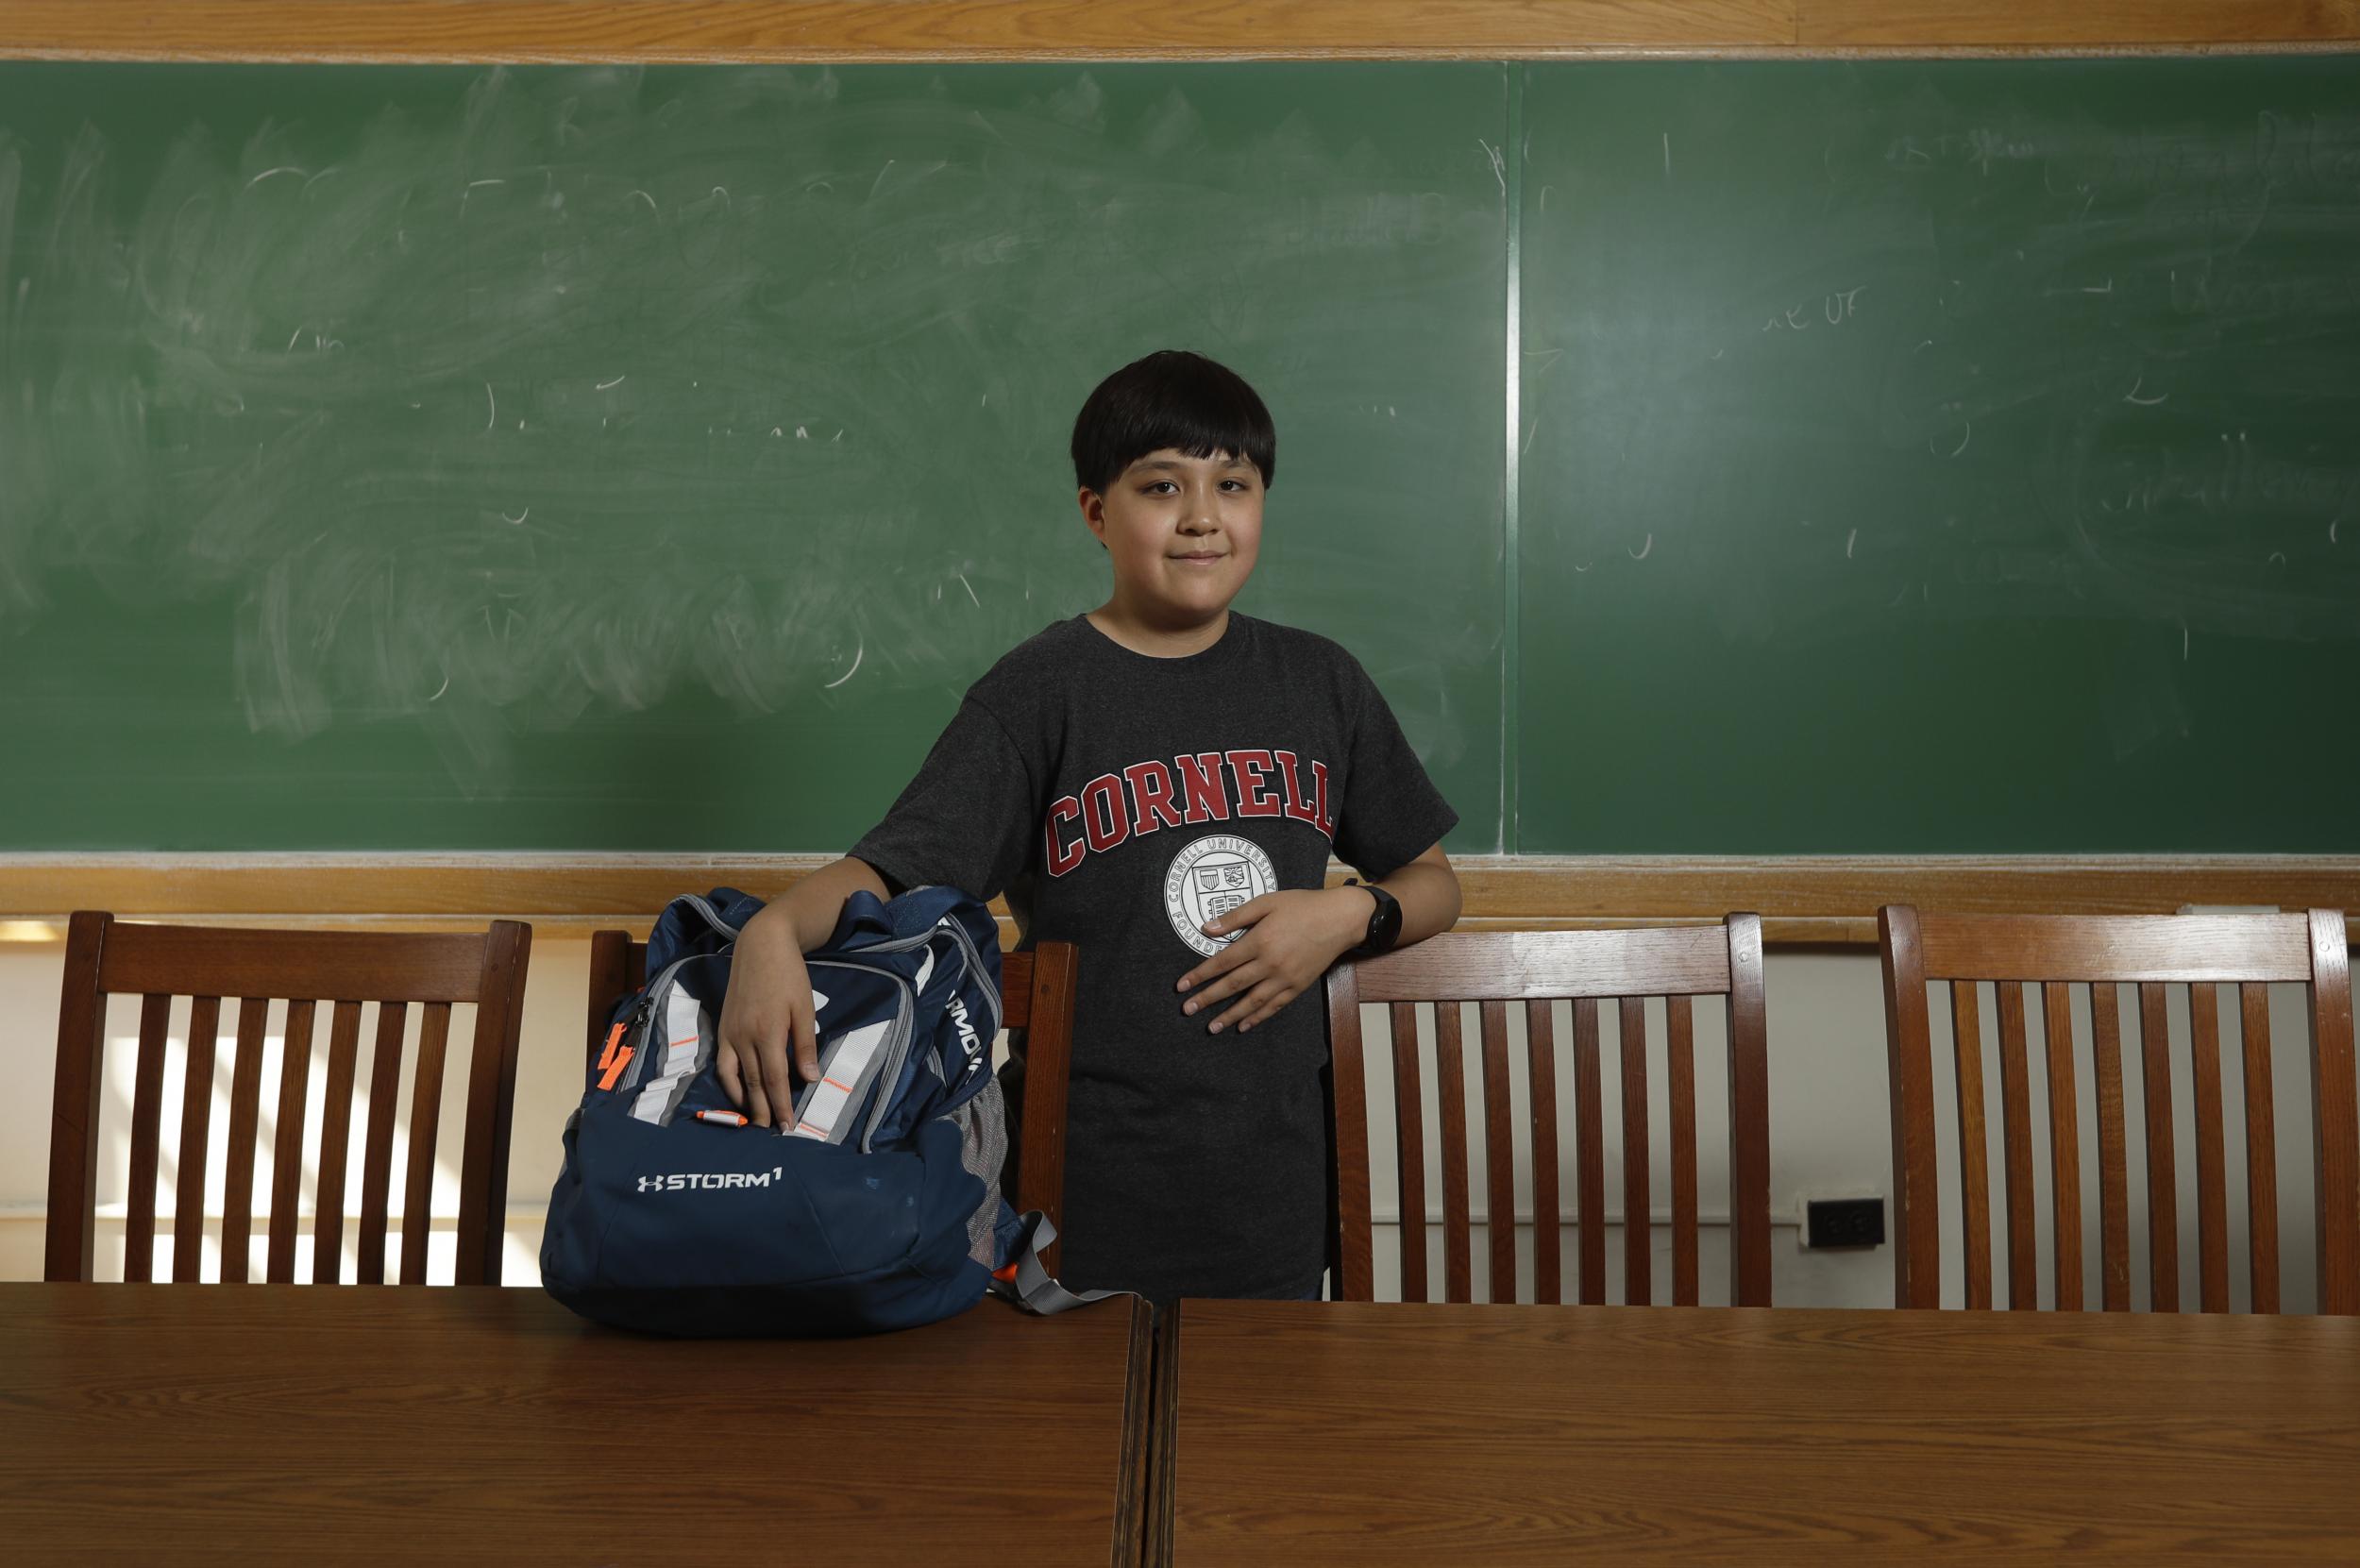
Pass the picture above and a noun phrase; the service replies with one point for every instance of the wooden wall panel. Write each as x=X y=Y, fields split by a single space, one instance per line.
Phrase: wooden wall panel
x=849 y=30
x=2138 y=24
x=550 y=30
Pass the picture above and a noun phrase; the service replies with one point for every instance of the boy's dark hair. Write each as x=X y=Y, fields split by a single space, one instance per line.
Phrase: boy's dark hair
x=1170 y=398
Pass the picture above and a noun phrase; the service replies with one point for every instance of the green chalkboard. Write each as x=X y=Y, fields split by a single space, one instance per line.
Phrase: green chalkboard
x=646 y=459
x=1907 y=456
x=1958 y=456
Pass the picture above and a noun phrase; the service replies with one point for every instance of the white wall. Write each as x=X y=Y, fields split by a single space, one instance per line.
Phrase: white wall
x=1828 y=1136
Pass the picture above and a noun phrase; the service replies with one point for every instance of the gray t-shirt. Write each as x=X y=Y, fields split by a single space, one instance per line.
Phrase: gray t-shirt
x=1119 y=801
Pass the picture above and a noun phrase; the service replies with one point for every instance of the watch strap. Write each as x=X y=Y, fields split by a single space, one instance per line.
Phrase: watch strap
x=1384 y=929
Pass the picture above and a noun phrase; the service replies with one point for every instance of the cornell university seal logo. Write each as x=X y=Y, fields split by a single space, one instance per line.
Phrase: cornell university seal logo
x=1210 y=877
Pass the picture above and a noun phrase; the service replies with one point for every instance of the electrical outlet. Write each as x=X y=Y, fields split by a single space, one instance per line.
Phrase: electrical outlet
x=1844 y=1222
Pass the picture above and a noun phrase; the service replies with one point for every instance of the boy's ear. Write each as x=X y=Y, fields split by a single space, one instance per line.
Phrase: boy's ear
x=1094 y=514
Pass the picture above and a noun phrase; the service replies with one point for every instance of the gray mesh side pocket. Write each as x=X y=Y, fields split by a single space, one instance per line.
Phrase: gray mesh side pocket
x=984 y=1149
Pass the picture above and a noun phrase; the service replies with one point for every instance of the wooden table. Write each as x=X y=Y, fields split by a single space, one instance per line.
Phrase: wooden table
x=1371 y=1434
x=253 y=1423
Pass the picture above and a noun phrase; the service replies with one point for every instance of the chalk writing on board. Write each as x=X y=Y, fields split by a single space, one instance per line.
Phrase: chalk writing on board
x=581 y=394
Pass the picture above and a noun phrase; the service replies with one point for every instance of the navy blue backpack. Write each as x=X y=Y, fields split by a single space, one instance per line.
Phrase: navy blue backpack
x=879 y=1208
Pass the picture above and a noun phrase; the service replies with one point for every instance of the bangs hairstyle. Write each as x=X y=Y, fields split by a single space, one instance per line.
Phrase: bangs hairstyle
x=1170 y=398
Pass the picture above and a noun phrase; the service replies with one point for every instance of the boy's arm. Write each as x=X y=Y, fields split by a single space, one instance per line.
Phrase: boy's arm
x=812 y=908
x=1297 y=934
x=1427 y=891
x=767 y=1013
x=965 y=821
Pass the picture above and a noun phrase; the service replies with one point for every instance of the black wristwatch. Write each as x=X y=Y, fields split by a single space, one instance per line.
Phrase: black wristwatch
x=1384 y=921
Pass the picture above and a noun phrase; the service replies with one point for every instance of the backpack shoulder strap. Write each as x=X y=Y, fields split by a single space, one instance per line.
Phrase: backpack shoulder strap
x=1026 y=1280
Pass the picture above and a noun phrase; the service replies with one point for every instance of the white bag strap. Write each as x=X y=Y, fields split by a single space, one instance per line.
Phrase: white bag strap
x=847 y=1067
x=679 y=1024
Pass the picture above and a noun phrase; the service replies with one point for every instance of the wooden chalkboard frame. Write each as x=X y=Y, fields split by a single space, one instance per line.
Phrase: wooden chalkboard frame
x=1803 y=899
x=555 y=31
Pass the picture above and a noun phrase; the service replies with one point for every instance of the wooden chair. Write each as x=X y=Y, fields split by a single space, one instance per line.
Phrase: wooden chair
x=1037 y=991
x=1538 y=967
x=2017 y=952
x=105 y=958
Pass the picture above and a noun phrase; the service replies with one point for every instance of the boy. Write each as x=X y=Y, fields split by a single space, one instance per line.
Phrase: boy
x=1158 y=782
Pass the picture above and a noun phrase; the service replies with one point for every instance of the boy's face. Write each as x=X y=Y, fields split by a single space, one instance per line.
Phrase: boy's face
x=1182 y=532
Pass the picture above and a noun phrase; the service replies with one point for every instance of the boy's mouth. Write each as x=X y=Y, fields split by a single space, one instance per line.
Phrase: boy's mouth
x=1199 y=557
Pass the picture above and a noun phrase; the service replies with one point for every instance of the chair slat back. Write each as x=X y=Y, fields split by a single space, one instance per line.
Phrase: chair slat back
x=2096 y=954
x=1450 y=1072
x=148 y=1093
x=1491 y=969
x=245 y=1097
x=1548 y=1274
x=344 y=1050
x=2064 y=1146
x=1680 y=1085
x=1408 y=1098
x=1967 y=1023
x=2261 y=1145
x=286 y=1184
x=2015 y=1116
x=159 y=963
x=1036 y=995
x=2211 y=1190
x=188 y=1225
x=427 y=1090
x=1588 y=1152
x=2114 y=1170
x=1638 y=1213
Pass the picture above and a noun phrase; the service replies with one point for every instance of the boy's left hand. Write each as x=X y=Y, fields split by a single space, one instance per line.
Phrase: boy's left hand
x=1291 y=939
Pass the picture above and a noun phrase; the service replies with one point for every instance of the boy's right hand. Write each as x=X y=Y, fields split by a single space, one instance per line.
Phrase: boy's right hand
x=766 y=1017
